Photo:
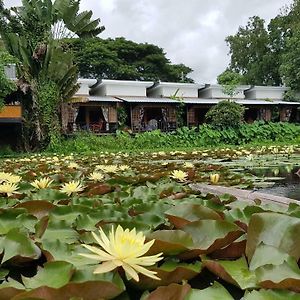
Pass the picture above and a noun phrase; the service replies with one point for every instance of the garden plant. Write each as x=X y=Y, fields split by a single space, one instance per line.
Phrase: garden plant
x=129 y=226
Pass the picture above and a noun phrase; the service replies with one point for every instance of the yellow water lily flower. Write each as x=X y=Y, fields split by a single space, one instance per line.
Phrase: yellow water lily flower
x=8 y=188
x=73 y=165
x=110 y=169
x=4 y=177
x=72 y=187
x=214 y=178
x=42 y=183
x=96 y=176
x=8 y=177
x=179 y=175
x=188 y=165
x=123 y=248
x=124 y=168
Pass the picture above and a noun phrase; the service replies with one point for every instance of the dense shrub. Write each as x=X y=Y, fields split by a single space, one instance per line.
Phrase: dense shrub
x=226 y=114
x=205 y=136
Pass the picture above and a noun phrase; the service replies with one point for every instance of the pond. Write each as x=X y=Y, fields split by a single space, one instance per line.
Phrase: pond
x=273 y=174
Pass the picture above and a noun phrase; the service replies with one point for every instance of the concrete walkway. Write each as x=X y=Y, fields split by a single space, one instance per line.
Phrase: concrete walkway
x=242 y=195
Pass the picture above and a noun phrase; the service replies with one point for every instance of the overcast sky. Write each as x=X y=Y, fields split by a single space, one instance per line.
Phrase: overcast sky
x=191 y=32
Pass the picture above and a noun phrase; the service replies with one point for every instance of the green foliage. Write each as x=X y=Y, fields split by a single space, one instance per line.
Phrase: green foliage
x=206 y=136
x=33 y=35
x=122 y=116
x=7 y=86
x=248 y=49
x=230 y=81
x=290 y=66
x=125 y=60
x=268 y=56
x=291 y=96
x=226 y=114
x=239 y=249
x=180 y=110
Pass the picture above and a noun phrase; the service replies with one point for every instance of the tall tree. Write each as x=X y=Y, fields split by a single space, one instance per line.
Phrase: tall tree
x=125 y=60
x=290 y=64
x=230 y=81
x=248 y=51
x=264 y=55
x=7 y=86
x=33 y=34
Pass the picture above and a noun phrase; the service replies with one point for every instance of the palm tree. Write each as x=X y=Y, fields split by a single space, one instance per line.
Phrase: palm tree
x=33 y=33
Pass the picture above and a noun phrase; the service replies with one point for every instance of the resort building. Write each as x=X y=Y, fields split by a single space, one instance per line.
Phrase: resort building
x=147 y=105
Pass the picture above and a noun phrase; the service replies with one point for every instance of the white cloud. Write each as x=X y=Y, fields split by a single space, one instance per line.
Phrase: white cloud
x=191 y=32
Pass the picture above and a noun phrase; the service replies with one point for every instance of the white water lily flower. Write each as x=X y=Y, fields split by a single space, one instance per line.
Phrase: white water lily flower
x=123 y=248
x=188 y=165
x=73 y=165
x=214 y=178
x=110 y=169
x=8 y=188
x=72 y=187
x=96 y=176
x=8 y=177
x=124 y=168
x=42 y=183
x=179 y=175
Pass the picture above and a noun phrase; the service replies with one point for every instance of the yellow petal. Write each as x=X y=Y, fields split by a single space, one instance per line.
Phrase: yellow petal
x=146 y=272
x=104 y=255
x=101 y=243
x=129 y=270
x=91 y=256
x=145 y=248
x=105 y=267
x=144 y=261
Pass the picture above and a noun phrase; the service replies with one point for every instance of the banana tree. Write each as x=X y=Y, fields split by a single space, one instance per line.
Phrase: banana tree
x=33 y=33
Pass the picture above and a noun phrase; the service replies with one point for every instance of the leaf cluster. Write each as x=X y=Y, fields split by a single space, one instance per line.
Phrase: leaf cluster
x=125 y=60
x=226 y=114
x=204 y=136
x=267 y=55
x=214 y=247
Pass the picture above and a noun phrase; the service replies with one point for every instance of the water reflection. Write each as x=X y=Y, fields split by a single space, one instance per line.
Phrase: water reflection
x=287 y=186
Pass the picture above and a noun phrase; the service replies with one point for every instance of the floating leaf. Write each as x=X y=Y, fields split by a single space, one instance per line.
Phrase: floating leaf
x=60 y=230
x=169 y=272
x=170 y=292
x=54 y=274
x=273 y=229
x=9 y=289
x=221 y=234
x=17 y=243
x=271 y=295
x=267 y=255
x=181 y=215
x=15 y=218
x=284 y=276
x=235 y=272
x=215 y=292
x=170 y=242
x=37 y=208
x=233 y=251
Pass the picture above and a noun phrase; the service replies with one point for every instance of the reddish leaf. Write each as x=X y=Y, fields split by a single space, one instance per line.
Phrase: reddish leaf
x=233 y=251
x=209 y=236
x=170 y=272
x=181 y=215
x=170 y=242
x=99 y=189
x=170 y=292
x=37 y=208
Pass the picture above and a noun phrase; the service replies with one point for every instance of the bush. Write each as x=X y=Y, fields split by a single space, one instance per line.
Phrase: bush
x=226 y=114
x=206 y=136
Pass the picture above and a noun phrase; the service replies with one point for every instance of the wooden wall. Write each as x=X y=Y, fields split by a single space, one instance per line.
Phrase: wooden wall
x=11 y=112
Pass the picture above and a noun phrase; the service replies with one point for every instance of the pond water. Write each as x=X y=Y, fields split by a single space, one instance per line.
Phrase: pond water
x=288 y=183
x=273 y=174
